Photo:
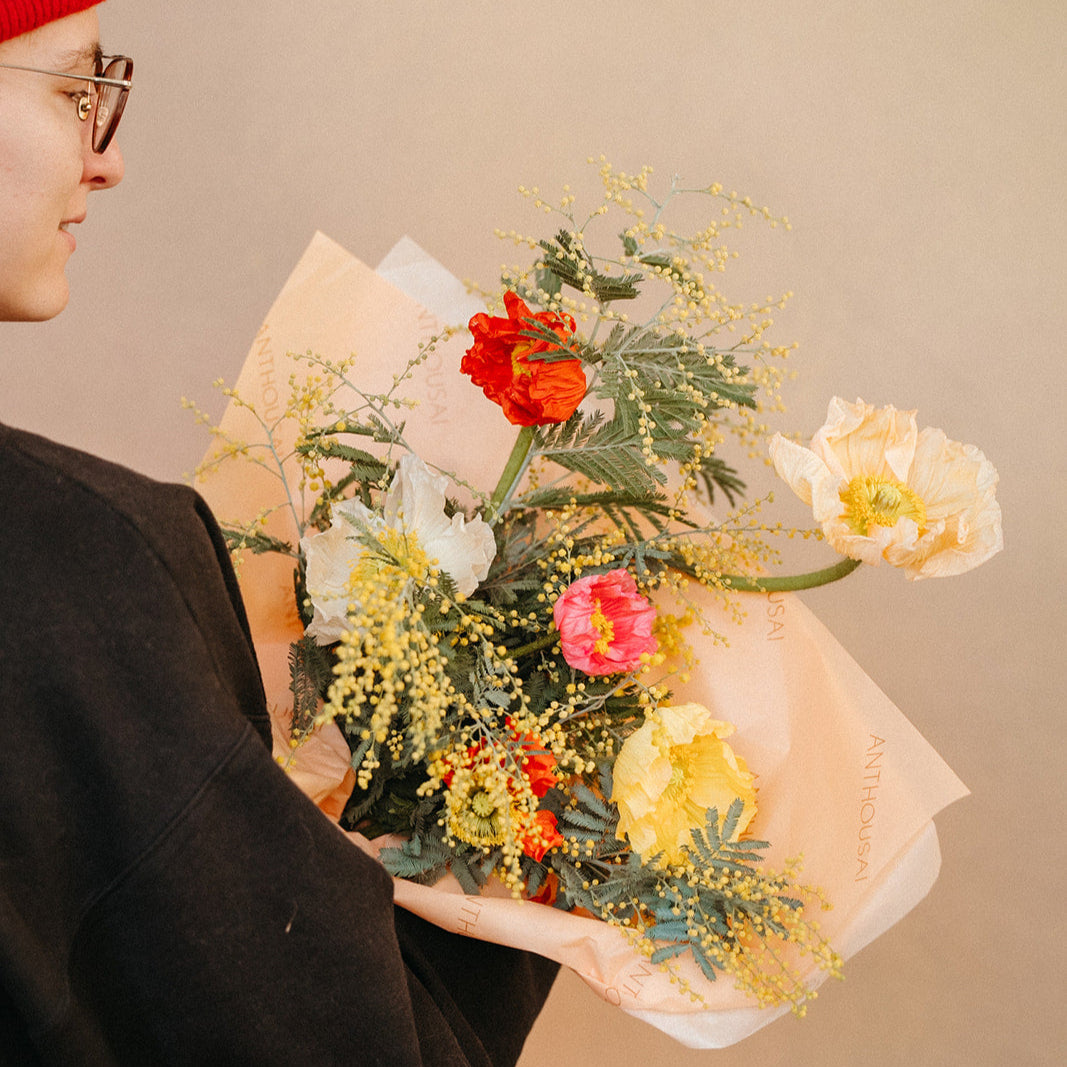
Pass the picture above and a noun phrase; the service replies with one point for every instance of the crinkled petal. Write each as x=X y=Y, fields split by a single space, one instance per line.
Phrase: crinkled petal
x=798 y=466
x=950 y=477
x=958 y=485
x=658 y=814
x=464 y=551
x=861 y=439
x=330 y=557
x=640 y=765
x=415 y=500
x=686 y=721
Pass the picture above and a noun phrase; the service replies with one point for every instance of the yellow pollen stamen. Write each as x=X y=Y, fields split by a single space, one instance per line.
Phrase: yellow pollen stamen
x=677 y=788
x=518 y=367
x=873 y=501
x=400 y=545
x=603 y=626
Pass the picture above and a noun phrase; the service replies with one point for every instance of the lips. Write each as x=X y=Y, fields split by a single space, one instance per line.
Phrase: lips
x=66 y=232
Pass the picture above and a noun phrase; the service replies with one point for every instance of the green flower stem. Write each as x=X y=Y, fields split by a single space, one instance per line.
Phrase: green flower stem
x=734 y=582
x=513 y=471
x=544 y=641
x=791 y=583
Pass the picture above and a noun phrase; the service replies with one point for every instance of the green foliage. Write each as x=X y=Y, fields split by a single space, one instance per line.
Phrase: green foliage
x=716 y=473
x=547 y=283
x=420 y=859
x=571 y=265
x=606 y=453
x=309 y=674
x=362 y=465
x=364 y=472
x=672 y=374
x=241 y=539
x=676 y=912
x=661 y=386
x=538 y=331
x=365 y=423
x=624 y=508
x=401 y=810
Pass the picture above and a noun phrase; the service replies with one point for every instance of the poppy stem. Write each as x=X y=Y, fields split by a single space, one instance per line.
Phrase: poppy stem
x=791 y=583
x=544 y=641
x=513 y=471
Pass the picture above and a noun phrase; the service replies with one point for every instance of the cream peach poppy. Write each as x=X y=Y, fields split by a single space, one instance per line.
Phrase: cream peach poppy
x=670 y=773
x=883 y=490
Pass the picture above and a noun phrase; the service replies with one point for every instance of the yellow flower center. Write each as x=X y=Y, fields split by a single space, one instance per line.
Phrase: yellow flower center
x=677 y=789
x=400 y=552
x=603 y=626
x=481 y=821
x=518 y=367
x=873 y=501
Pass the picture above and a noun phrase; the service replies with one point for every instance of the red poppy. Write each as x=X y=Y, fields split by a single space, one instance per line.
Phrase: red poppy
x=535 y=832
x=539 y=765
x=539 y=834
x=531 y=392
x=548 y=891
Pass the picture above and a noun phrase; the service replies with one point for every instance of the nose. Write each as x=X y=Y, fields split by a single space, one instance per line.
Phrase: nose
x=104 y=170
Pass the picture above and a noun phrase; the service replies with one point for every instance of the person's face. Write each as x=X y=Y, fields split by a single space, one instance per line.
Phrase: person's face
x=47 y=164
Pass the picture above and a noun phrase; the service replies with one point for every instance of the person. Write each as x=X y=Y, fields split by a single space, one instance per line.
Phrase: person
x=167 y=896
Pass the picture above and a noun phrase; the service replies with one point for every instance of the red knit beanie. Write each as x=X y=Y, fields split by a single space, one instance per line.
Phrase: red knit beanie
x=20 y=16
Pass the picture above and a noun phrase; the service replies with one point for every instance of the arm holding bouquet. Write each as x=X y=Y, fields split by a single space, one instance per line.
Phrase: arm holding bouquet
x=175 y=898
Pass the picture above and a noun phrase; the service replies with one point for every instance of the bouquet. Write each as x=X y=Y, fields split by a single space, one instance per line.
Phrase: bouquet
x=513 y=668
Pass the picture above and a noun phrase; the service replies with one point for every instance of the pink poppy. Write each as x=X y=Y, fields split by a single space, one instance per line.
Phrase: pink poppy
x=605 y=625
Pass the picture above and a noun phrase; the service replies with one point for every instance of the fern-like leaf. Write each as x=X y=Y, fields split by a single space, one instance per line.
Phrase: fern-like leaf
x=574 y=267
x=240 y=539
x=605 y=453
x=668 y=951
x=309 y=674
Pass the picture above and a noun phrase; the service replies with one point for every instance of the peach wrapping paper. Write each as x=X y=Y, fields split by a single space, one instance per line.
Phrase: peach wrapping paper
x=844 y=778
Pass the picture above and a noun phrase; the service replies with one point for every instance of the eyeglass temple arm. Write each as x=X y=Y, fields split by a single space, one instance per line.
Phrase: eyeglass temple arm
x=118 y=83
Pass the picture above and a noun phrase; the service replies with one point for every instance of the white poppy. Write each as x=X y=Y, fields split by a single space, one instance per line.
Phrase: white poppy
x=412 y=528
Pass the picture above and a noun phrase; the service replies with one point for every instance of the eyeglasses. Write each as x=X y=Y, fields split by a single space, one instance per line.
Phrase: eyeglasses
x=112 y=83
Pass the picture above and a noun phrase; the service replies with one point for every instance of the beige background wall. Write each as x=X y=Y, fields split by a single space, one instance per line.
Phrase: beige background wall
x=918 y=149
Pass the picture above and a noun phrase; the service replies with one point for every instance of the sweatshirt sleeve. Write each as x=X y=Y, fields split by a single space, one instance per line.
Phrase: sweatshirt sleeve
x=167 y=896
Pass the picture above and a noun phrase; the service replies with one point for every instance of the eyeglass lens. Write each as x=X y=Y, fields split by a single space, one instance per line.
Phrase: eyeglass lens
x=111 y=100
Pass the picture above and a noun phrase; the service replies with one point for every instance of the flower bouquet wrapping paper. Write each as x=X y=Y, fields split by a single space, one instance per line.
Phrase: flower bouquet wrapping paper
x=842 y=776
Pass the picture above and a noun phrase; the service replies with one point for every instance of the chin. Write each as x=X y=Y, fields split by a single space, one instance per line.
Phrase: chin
x=38 y=307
